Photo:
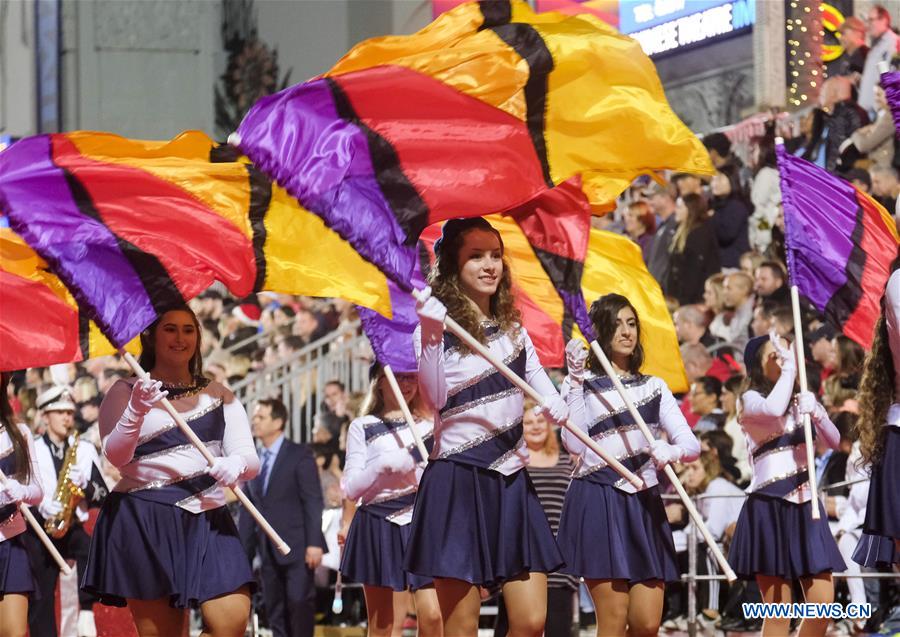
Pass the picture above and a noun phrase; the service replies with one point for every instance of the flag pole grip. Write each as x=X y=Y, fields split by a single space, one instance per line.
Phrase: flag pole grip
x=460 y=332
x=279 y=543
x=407 y=415
x=41 y=534
x=669 y=471
x=804 y=386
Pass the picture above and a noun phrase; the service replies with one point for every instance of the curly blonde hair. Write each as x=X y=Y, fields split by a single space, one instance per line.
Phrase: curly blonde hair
x=445 y=284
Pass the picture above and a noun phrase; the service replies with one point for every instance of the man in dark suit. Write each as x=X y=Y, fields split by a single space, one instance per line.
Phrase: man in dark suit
x=287 y=492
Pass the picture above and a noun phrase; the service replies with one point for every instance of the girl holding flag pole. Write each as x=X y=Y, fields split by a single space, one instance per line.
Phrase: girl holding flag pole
x=777 y=540
x=164 y=541
x=383 y=471
x=615 y=536
x=879 y=433
x=20 y=484
x=477 y=520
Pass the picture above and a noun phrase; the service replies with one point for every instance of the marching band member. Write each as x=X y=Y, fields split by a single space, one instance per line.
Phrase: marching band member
x=776 y=540
x=382 y=472
x=19 y=464
x=164 y=541
x=616 y=537
x=64 y=463
x=879 y=433
x=477 y=519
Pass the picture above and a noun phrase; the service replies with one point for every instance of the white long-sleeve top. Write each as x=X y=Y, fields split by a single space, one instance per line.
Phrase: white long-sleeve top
x=597 y=409
x=851 y=510
x=368 y=439
x=720 y=506
x=85 y=459
x=478 y=417
x=160 y=455
x=12 y=523
x=892 y=318
x=774 y=432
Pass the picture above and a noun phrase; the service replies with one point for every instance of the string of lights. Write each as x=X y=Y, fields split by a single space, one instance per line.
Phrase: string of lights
x=805 y=37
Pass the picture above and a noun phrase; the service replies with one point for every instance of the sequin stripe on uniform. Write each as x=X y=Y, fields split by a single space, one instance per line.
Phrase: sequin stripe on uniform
x=647 y=407
x=604 y=474
x=210 y=425
x=491 y=384
x=784 y=441
x=188 y=418
x=604 y=383
x=173 y=490
x=451 y=342
x=392 y=505
x=8 y=511
x=173 y=450
x=781 y=485
x=490 y=449
x=508 y=361
x=375 y=430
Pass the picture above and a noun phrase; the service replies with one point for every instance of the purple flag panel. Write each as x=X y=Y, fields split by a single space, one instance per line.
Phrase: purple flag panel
x=392 y=339
x=890 y=82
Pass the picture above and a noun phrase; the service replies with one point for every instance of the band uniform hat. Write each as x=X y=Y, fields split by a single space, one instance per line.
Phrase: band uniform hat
x=58 y=398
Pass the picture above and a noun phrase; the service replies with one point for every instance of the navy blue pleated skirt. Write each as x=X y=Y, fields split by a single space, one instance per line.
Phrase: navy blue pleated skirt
x=373 y=553
x=606 y=533
x=779 y=538
x=479 y=526
x=148 y=550
x=876 y=551
x=883 y=506
x=16 y=575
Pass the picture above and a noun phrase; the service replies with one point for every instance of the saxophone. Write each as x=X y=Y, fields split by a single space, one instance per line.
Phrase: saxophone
x=68 y=494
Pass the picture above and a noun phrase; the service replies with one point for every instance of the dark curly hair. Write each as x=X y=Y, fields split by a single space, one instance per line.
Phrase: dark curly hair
x=604 y=312
x=444 y=281
x=876 y=389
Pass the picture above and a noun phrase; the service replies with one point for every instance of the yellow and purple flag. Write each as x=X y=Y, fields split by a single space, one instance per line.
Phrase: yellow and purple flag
x=133 y=227
x=840 y=243
x=483 y=110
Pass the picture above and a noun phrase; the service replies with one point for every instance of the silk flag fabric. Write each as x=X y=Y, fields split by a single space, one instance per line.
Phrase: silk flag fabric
x=40 y=323
x=839 y=244
x=486 y=108
x=392 y=338
x=134 y=227
x=890 y=82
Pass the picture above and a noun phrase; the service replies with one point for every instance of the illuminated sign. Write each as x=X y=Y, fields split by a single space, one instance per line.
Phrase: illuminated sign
x=666 y=25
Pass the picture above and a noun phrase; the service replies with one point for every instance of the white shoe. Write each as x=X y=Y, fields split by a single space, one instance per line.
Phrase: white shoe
x=86 y=626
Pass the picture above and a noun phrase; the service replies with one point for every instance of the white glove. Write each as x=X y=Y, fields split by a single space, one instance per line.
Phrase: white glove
x=576 y=355
x=553 y=408
x=86 y=626
x=431 y=314
x=807 y=403
x=49 y=508
x=11 y=491
x=144 y=394
x=78 y=477
x=786 y=358
x=227 y=470
x=396 y=461
x=663 y=453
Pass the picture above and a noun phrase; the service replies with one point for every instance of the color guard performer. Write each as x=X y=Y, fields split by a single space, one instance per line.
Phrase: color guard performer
x=382 y=472
x=616 y=537
x=164 y=541
x=477 y=520
x=19 y=464
x=879 y=434
x=776 y=540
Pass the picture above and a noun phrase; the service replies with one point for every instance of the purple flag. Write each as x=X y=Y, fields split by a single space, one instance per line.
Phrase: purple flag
x=890 y=82
x=839 y=243
x=392 y=338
